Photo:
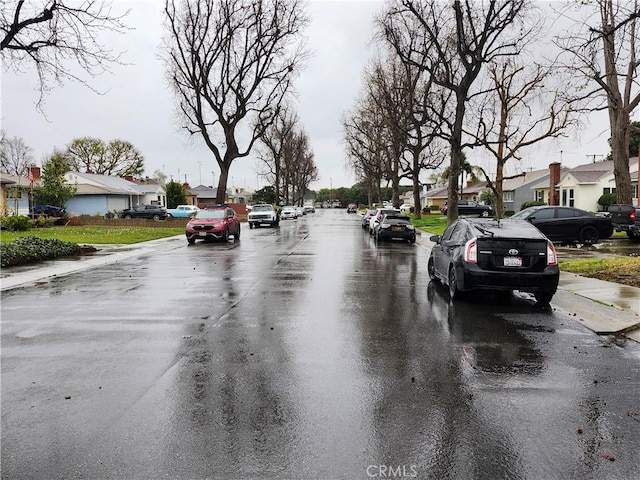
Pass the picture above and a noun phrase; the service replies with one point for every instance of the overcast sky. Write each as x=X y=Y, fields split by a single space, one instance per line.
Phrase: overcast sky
x=138 y=106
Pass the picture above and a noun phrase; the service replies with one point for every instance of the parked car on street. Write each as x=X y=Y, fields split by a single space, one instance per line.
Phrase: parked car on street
x=469 y=207
x=352 y=208
x=395 y=225
x=213 y=223
x=567 y=224
x=151 y=212
x=182 y=211
x=376 y=217
x=406 y=208
x=263 y=214
x=366 y=217
x=288 y=212
x=309 y=209
x=626 y=218
x=474 y=254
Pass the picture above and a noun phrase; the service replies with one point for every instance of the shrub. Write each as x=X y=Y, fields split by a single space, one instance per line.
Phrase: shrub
x=606 y=200
x=16 y=223
x=31 y=249
x=531 y=204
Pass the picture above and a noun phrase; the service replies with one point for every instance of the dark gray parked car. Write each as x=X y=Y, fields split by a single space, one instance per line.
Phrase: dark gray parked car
x=152 y=212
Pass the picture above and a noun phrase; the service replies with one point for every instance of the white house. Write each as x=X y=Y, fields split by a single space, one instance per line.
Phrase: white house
x=582 y=186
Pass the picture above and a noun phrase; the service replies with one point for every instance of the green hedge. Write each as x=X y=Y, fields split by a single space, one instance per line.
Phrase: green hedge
x=32 y=249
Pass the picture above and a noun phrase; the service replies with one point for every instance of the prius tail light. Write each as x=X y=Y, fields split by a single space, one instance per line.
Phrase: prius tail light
x=471 y=251
x=552 y=256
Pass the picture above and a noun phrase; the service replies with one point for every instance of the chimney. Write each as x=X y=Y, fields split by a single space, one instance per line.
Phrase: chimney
x=34 y=171
x=554 y=179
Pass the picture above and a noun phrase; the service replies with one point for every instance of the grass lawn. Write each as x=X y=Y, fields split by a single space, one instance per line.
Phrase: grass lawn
x=94 y=234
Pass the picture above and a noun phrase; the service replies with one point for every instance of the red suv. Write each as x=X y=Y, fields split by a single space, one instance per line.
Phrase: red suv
x=214 y=222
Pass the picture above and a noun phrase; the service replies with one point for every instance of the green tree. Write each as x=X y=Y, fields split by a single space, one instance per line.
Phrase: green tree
x=176 y=194
x=53 y=190
x=265 y=195
x=93 y=155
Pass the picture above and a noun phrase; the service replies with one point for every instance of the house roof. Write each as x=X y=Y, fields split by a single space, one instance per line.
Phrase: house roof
x=524 y=179
x=204 y=191
x=107 y=183
x=594 y=172
x=438 y=192
x=477 y=188
x=8 y=179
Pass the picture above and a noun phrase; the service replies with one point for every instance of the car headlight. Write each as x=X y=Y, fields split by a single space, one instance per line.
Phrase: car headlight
x=385 y=225
x=410 y=227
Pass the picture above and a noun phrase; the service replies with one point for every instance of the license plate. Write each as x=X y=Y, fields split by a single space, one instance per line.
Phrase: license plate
x=512 y=261
x=202 y=234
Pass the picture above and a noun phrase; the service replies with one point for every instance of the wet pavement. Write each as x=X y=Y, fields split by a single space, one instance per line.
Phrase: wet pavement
x=305 y=352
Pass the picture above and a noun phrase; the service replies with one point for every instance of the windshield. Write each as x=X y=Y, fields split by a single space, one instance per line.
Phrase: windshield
x=262 y=208
x=210 y=214
x=522 y=214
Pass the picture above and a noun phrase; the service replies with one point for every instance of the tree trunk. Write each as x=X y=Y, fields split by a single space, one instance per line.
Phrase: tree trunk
x=221 y=192
x=417 y=206
x=619 y=120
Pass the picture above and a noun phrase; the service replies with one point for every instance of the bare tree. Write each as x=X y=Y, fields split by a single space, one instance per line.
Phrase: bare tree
x=93 y=155
x=452 y=43
x=602 y=49
x=49 y=33
x=15 y=155
x=525 y=105
x=299 y=169
x=229 y=63
x=274 y=138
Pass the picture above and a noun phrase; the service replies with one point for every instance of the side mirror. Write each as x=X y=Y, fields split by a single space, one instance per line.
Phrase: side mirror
x=435 y=238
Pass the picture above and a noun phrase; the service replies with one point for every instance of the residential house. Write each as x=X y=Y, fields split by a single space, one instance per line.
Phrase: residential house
x=101 y=194
x=582 y=186
x=239 y=195
x=14 y=195
x=434 y=197
x=205 y=195
x=518 y=190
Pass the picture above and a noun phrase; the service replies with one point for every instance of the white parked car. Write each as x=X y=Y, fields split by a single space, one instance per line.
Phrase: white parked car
x=263 y=214
x=406 y=207
x=288 y=212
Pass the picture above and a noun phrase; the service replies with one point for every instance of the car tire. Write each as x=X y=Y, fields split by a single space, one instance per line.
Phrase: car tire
x=543 y=297
x=454 y=292
x=589 y=235
x=250 y=225
x=156 y=218
x=237 y=235
x=128 y=217
x=431 y=270
x=412 y=240
x=484 y=214
x=633 y=237
x=225 y=236
x=191 y=241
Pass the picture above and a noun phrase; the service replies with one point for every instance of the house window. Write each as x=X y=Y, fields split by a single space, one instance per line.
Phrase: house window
x=634 y=190
x=571 y=198
x=568 y=199
x=608 y=190
x=507 y=196
x=539 y=196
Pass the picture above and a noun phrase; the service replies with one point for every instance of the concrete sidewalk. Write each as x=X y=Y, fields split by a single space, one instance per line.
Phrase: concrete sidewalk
x=604 y=307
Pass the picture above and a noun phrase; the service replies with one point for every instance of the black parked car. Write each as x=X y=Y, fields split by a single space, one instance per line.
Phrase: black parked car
x=48 y=210
x=567 y=224
x=395 y=225
x=469 y=207
x=474 y=254
x=152 y=212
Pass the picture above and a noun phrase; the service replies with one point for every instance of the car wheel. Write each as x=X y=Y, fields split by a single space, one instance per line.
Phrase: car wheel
x=633 y=237
x=412 y=240
x=237 y=235
x=225 y=235
x=128 y=217
x=588 y=235
x=250 y=226
x=156 y=217
x=484 y=214
x=543 y=297
x=191 y=241
x=431 y=270
x=454 y=293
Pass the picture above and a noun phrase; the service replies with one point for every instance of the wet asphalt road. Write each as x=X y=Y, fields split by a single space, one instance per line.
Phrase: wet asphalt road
x=304 y=352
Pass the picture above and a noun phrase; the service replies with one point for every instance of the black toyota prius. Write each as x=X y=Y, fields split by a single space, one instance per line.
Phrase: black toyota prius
x=498 y=255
